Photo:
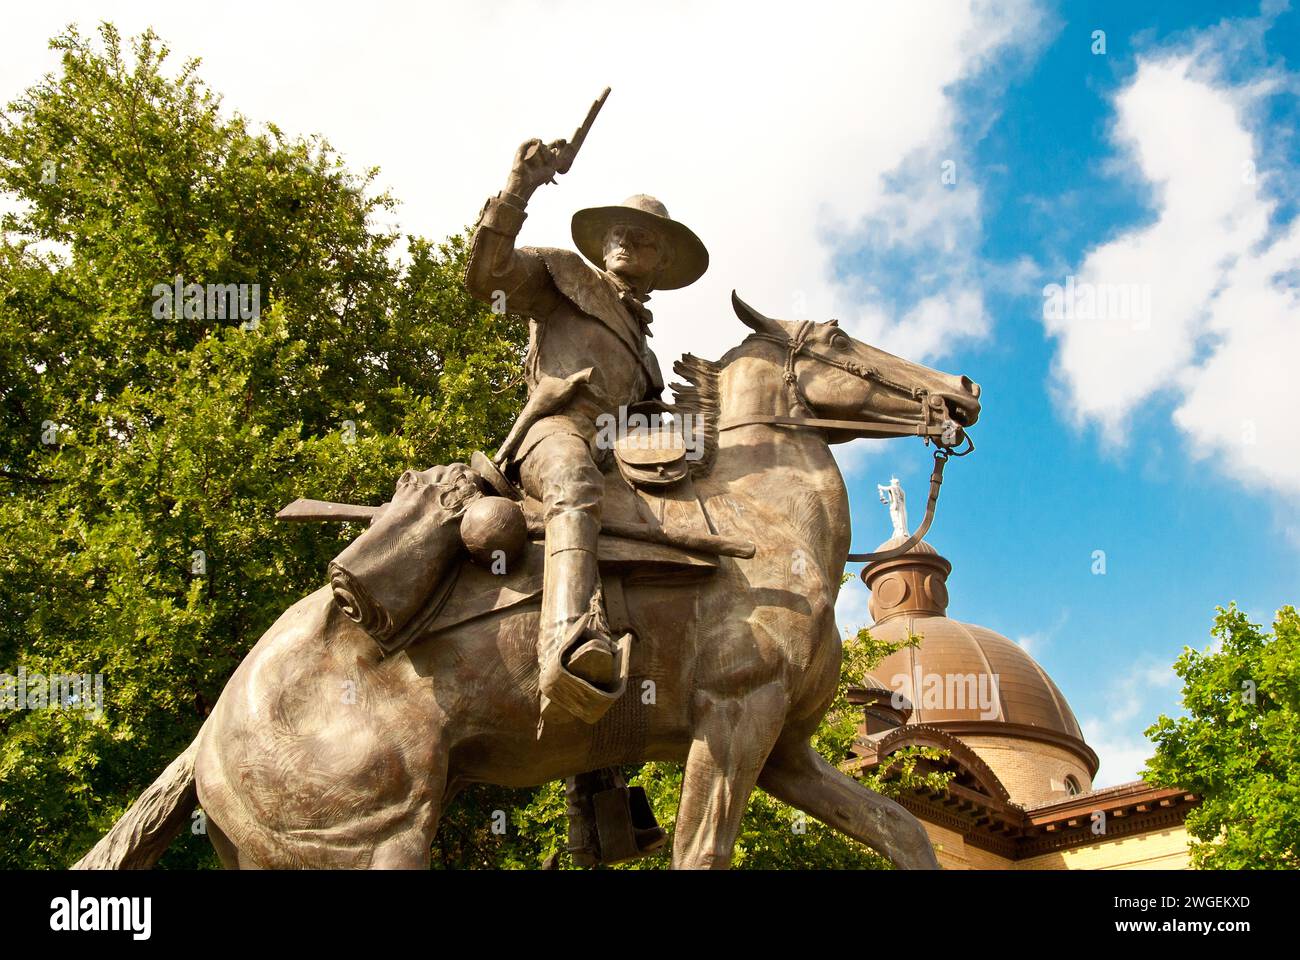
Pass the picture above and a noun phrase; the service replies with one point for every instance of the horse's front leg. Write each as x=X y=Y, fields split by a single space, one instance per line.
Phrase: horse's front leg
x=733 y=736
x=801 y=777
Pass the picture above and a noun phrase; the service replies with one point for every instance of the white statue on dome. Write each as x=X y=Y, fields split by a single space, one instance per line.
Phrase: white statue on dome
x=893 y=495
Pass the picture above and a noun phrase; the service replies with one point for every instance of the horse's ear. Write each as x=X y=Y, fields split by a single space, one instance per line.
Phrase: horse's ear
x=755 y=320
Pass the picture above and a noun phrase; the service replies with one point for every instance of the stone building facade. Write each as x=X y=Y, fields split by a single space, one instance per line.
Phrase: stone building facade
x=1021 y=796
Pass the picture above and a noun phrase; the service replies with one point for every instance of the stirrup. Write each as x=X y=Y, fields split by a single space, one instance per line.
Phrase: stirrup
x=625 y=825
x=576 y=696
x=596 y=661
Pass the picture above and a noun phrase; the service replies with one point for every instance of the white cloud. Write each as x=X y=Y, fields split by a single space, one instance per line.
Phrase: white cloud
x=1131 y=703
x=1036 y=642
x=851 y=612
x=1223 y=330
x=780 y=137
x=1122 y=755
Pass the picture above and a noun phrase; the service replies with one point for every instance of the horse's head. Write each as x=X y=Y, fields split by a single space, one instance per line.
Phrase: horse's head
x=837 y=377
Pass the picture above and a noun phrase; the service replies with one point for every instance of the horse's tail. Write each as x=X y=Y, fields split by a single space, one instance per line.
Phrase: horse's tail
x=139 y=838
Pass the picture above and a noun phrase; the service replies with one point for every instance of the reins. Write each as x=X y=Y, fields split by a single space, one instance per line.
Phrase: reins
x=936 y=479
x=942 y=431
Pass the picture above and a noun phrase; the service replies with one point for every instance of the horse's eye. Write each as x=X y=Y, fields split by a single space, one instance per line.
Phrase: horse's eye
x=839 y=341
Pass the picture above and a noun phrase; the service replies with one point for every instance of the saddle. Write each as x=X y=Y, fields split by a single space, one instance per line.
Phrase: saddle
x=654 y=529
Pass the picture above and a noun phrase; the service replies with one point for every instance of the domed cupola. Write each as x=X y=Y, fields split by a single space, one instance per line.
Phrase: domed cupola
x=915 y=583
x=966 y=680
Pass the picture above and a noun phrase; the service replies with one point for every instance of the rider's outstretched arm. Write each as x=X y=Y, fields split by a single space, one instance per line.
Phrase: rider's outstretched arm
x=499 y=273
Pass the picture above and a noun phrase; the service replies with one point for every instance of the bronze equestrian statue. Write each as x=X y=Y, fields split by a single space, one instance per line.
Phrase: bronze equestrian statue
x=581 y=318
x=718 y=577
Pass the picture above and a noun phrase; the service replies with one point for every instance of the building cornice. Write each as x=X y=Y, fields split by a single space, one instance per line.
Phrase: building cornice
x=986 y=819
x=1022 y=731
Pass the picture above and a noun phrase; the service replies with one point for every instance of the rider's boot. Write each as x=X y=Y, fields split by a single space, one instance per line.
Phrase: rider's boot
x=576 y=656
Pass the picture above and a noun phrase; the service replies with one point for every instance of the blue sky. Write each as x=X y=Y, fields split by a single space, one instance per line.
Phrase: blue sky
x=806 y=151
x=1021 y=519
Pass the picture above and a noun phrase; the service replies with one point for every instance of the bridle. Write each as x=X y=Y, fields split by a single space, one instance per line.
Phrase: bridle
x=936 y=427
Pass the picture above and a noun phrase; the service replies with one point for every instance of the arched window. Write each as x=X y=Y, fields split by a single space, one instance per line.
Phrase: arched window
x=1072 y=787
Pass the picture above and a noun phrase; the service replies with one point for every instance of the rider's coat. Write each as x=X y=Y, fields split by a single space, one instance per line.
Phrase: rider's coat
x=579 y=317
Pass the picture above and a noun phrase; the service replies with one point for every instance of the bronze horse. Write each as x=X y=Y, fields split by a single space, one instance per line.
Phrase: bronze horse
x=290 y=773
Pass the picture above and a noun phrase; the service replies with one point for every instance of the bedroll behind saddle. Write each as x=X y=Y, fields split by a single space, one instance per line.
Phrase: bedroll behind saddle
x=398 y=580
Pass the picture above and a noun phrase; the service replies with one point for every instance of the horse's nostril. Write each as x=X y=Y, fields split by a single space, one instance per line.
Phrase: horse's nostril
x=970 y=386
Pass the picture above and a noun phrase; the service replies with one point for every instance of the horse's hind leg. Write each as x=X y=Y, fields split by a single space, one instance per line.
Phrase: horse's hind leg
x=802 y=778
x=227 y=852
x=732 y=740
x=410 y=848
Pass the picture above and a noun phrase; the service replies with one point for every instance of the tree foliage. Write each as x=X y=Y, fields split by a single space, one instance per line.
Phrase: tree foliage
x=1238 y=746
x=129 y=442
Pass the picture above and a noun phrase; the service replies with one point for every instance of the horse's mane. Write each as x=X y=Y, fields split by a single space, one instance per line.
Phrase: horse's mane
x=699 y=397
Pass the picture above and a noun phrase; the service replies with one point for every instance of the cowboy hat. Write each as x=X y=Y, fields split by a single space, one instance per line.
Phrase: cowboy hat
x=690 y=258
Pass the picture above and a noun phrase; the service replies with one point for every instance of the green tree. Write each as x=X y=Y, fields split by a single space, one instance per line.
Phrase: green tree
x=144 y=449
x=1238 y=746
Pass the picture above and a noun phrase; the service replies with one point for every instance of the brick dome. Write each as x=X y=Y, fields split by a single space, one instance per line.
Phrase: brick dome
x=973 y=682
x=1023 y=693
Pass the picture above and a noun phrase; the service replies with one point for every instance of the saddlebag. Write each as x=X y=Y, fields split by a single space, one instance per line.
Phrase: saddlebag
x=389 y=573
x=652 y=457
